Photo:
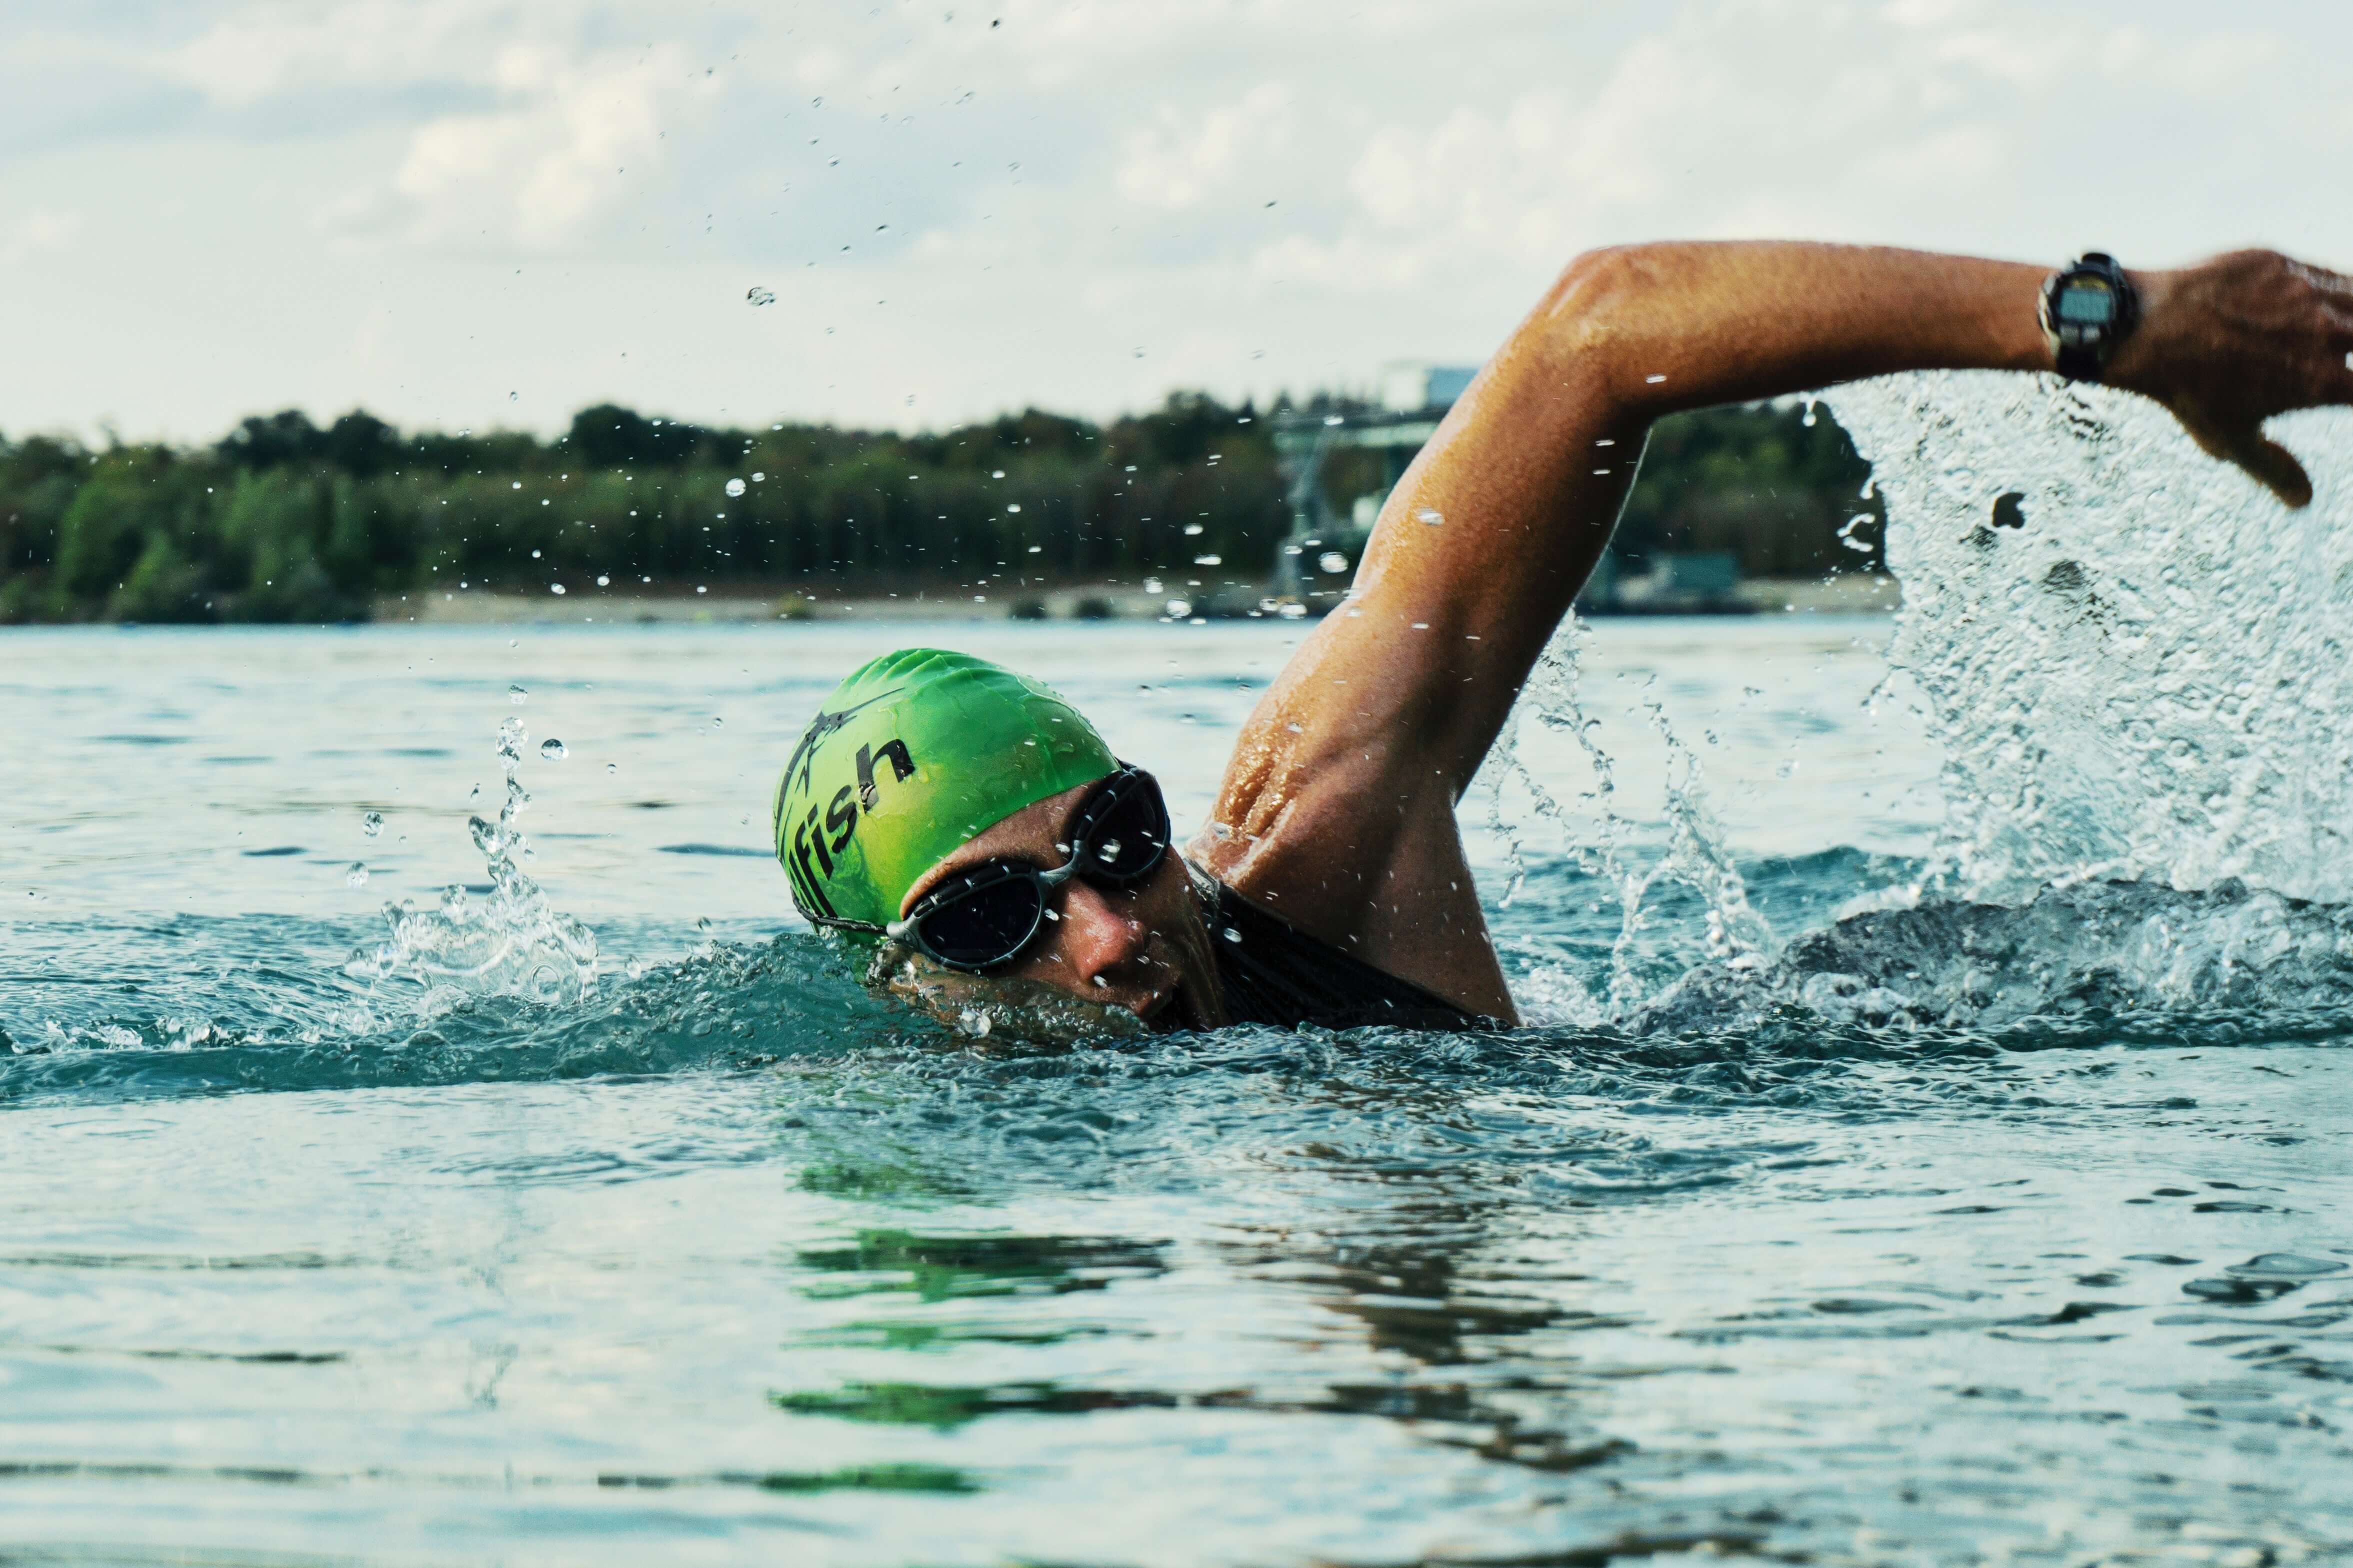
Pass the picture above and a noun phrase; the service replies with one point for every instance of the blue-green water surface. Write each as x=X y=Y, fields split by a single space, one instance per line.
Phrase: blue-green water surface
x=1810 y=1218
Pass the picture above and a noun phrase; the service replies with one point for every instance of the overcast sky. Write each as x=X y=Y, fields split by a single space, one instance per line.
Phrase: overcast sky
x=469 y=213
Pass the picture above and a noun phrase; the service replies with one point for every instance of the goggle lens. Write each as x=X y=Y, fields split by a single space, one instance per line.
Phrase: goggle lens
x=984 y=926
x=1121 y=833
x=986 y=917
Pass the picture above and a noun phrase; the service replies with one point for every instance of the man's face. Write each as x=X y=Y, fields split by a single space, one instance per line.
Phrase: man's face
x=1144 y=949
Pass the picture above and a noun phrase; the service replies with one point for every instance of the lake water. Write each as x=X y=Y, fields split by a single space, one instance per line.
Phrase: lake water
x=1855 y=1193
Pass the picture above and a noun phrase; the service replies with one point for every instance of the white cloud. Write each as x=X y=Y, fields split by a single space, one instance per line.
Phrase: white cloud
x=993 y=216
x=561 y=153
x=256 y=52
x=37 y=232
x=1182 y=157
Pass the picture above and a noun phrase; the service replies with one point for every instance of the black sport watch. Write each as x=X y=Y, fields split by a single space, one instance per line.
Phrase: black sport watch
x=2089 y=309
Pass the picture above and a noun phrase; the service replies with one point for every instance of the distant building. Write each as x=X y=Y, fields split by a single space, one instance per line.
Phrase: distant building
x=1318 y=557
x=1409 y=387
x=1317 y=560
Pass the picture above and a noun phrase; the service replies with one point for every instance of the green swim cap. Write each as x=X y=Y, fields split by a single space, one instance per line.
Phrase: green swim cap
x=910 y=757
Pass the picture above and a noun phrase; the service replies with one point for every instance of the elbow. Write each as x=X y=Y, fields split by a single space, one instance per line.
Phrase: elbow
x=1592 y=292
x=1593 y=319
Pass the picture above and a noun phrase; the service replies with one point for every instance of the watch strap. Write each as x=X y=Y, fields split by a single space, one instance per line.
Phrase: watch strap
x=2080 y=362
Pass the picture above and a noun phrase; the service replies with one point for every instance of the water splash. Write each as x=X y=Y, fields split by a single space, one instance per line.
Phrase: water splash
x=514 y=944
x=2133 y=659
x=2213 y=965
x=1594 y=834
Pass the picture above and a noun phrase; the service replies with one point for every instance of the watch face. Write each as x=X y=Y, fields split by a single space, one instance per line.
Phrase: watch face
x=2087 y=302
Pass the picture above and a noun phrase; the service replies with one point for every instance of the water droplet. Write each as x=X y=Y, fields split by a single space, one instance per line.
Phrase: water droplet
x=717 y=722
x=357 y=876
x=1152 y=585
x=603 y=581
x=1430 y=515
x=1191 y=529
x=556 y=588
x=1108 y=850
x=372 y=823
x=1332 y=419
x=757 y=475
x=1230 y=934
x=1179 y=608
x=513 y=396
x=517 y=695
x=1332 y=561
x=734 y=487
x=612 y=767
x=997 y=473
x=552 y=750
x=974 y=1022
x=759 y=296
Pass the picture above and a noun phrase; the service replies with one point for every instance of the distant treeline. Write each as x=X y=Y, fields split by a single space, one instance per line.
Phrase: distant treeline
x=284 y=521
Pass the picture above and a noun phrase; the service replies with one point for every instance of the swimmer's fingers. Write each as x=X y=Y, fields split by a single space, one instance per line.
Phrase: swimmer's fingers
x=2340 y=345
x=2273 y=466
x=2336 y=286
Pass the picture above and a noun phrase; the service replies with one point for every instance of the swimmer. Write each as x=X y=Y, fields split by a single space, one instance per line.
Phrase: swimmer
x=977 y=827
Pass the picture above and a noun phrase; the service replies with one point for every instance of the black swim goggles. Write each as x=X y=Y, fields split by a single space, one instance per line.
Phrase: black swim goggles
x=986 y=915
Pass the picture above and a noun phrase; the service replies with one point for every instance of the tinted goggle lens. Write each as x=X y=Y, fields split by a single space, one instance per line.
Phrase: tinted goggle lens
x=1122 y=832
x=985 y=925
x=988 y=916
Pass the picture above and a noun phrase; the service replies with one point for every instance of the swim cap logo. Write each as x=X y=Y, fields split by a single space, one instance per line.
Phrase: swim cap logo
x=812 y=841
x=824 y=724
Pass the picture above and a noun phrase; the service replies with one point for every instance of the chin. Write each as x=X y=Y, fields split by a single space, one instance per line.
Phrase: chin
x=1181 y=1011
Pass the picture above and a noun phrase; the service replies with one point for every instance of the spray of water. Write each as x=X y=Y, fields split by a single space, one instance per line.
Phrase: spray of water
x=1593 y=833
x=2133 y=663
x=512 y=944
x=2132 y=659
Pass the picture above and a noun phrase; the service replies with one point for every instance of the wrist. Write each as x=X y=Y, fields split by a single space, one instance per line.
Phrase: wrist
x=2135 y=364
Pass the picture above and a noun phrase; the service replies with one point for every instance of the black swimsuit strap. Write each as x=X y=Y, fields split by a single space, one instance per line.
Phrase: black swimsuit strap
x=1274 y=973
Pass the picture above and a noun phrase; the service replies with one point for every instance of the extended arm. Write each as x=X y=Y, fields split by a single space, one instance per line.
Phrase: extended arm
x=1338 y=806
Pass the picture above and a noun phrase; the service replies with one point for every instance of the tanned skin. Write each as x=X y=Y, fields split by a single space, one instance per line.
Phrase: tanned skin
x=1337 y=810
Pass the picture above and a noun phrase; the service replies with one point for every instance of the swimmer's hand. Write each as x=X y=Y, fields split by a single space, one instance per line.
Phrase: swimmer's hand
x=993 y=1008
x=2229 y=342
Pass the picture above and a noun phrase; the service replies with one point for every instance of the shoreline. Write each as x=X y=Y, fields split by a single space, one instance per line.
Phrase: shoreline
x=1845 y=594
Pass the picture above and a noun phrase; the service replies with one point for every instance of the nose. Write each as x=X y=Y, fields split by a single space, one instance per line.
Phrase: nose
x=1098 y=935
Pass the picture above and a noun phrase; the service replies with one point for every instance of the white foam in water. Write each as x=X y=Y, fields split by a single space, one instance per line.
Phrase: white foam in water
x=2137 y=666
x=2133 y=663
x=515 y=945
